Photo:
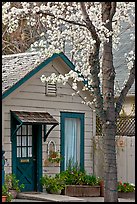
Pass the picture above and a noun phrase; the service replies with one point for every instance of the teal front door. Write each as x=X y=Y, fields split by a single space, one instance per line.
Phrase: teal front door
x=28 y=156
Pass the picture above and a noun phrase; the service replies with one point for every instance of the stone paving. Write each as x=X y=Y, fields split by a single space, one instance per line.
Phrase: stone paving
x=45 y=197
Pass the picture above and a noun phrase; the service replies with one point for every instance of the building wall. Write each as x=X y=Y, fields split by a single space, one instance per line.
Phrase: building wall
x=31 y=97
x=125 y=158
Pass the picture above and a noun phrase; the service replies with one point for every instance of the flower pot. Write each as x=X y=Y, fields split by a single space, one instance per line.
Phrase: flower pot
x=4 y=198
x=13 y=192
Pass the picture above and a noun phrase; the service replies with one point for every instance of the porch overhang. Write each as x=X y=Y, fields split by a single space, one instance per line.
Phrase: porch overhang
x=41 y=118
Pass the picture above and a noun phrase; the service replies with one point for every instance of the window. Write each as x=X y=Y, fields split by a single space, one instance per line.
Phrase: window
x=72 y=139
x=51 y=89
x=24 y=141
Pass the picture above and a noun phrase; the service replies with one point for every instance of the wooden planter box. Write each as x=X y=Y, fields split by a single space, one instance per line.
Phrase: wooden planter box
x=81 y=190
x=126 y=195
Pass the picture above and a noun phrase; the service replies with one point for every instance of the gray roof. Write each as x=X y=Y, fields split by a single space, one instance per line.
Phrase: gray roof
x=15 y=67
x=120 y=64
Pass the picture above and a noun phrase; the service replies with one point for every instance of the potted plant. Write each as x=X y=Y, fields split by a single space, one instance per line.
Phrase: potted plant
x=13 y=184
x=126 y=190
x=6 y=195
x=79 y=183
x=53 y=184
x=72 y=182
x=54 y=156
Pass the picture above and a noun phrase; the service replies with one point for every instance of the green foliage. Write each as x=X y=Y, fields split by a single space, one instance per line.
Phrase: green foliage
x=52 y=183
x=5 y=192
x=54 y=157
x=76 y=176
x=13 y=183
x=125 y=187
x=73 y=175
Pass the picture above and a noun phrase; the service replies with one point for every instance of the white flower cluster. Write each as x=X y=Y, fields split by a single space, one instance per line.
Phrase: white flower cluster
x=63 y=36
x=53 y=78
x=130 y=59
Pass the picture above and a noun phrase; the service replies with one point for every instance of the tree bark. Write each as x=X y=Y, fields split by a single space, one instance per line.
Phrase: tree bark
x=110 y=165
x=109 y=127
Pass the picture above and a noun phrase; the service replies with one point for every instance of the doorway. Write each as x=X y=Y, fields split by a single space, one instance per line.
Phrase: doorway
x=27 y=159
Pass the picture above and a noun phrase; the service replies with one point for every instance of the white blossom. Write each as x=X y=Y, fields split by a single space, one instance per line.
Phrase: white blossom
x=75 y=40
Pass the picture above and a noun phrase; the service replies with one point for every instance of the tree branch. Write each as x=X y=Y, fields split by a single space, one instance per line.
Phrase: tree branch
x=113 y=9
x=94 y=63
x=89 y=23
x=8 y=45
x=125 y=90
x=71 y=22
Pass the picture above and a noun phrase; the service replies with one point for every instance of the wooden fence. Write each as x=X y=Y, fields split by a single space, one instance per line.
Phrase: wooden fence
x=125 y=147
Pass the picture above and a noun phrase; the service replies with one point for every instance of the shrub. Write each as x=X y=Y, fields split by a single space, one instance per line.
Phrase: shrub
x=73 y=175
x=13 y=183
x=52 y=183
x=125 y=187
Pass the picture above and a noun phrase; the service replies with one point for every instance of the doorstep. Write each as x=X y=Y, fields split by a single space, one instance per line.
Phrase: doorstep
x=47 y=197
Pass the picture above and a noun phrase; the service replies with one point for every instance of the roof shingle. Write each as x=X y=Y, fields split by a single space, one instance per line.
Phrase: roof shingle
x=35 y=117
x=15 y=67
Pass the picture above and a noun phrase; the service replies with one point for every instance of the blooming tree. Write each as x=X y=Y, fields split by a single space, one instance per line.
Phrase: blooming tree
x=89 y=32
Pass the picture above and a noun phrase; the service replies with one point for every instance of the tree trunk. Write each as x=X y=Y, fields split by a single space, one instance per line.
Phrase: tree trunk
x=109 y=126
x=110 y=165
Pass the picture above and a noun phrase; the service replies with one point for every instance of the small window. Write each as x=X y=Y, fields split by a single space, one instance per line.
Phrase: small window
x=24 y=141
x=51 y=89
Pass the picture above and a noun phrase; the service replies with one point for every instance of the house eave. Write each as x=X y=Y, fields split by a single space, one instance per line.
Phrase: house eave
x=35 y=70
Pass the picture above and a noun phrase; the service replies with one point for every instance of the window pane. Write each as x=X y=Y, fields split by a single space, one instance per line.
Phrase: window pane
x=29 y=129
x=18 y=140
x=29 y=140
x=19 y=131
x=24 y=132
x=29 y=151
x=24 y=138
x=72 y=140
x=24 y=151
x=18 y=151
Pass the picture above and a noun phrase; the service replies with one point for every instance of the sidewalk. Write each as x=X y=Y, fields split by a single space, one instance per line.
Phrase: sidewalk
x=45 y=197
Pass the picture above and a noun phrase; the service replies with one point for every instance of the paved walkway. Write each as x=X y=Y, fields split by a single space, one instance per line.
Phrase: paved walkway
x=45 y=197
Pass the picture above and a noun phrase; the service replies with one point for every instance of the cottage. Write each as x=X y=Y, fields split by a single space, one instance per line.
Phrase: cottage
x=38 y=118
